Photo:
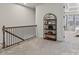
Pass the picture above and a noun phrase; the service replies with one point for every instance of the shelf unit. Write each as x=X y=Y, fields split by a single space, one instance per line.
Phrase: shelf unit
x=50 y=27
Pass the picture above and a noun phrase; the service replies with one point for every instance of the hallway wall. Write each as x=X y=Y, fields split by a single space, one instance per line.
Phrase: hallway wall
x=55 y=8
x=15 y=15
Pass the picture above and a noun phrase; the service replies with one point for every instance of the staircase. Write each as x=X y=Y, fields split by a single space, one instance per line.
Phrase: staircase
x=17 y=34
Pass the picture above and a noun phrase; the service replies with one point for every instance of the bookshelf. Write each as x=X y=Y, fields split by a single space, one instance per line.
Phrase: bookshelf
x=50 y=27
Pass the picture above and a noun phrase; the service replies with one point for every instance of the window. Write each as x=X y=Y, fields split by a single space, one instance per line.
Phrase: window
x=71 y=22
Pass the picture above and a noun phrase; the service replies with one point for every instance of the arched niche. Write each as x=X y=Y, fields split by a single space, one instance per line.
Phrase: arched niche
x=49 y=16
x=50 y=26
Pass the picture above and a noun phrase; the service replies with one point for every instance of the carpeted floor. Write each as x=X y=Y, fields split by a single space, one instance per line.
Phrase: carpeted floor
x=39 y=46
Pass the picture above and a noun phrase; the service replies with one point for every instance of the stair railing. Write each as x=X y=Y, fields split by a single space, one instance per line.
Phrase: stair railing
x=17 y=34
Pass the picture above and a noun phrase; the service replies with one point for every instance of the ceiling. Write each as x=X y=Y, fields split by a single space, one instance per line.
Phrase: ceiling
x=72 y=7
x=31 y=5
x=69 y=7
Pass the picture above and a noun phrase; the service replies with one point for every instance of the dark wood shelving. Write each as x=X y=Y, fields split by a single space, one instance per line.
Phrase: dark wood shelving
x=49 y=34
x=49 y=29
x=49 y=19
x=50 y=25
x=47 y=38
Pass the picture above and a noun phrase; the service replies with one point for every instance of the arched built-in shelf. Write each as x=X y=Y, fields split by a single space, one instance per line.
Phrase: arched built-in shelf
x=50 y=27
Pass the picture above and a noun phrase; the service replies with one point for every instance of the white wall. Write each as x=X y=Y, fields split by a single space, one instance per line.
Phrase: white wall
x=55 y=8
x=15 y=15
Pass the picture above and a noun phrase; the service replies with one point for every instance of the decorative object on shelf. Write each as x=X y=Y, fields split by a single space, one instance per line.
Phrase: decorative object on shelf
x=49 y=33
x=50 y=27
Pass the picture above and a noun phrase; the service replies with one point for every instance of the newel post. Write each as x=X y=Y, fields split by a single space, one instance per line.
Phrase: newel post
x=3 y=29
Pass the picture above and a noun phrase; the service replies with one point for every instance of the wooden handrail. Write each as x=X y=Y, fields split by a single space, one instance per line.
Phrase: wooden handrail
x=14 y=35
x=21 y=26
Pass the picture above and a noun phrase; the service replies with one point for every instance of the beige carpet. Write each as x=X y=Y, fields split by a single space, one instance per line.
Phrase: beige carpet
x=39 y=46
